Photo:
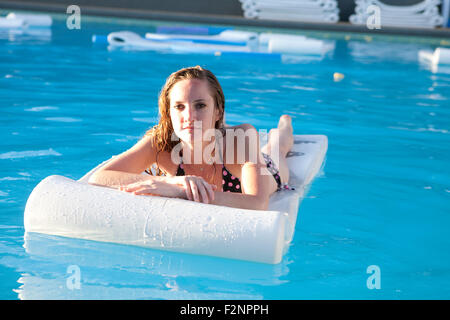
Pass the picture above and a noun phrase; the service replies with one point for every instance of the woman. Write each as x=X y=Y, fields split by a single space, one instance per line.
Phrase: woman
x=201 y=159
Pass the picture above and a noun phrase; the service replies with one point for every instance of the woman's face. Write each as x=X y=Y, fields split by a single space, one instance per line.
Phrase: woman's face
x=192 y=110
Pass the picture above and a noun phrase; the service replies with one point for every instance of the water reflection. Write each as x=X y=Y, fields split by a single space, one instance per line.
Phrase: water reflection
x=428 y=62
x=367 y=52
x=111 y=271
x=25 y=35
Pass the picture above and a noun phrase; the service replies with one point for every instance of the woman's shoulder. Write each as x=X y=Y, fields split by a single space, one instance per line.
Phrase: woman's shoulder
x=244 y=126
x=242 y=131
x=245 y=143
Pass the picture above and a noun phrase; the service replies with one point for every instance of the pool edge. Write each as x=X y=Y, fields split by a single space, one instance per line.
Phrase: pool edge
x=227 y=19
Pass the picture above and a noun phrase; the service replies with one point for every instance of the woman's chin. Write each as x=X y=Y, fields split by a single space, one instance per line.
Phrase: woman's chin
x=190 y=139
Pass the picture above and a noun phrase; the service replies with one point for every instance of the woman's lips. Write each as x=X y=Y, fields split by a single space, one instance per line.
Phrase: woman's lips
x=192 y=128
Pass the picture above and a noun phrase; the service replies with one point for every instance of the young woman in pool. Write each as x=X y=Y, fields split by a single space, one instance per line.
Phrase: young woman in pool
x=218 y=168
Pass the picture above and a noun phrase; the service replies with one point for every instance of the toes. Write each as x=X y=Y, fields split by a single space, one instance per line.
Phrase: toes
x=285 y=121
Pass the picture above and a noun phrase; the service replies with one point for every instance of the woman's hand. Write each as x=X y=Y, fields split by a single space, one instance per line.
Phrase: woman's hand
x=187 y=187
x=196 y=188
x=154 y=187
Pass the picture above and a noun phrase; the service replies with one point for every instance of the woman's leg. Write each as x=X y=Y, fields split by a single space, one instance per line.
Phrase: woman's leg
x=280 y=143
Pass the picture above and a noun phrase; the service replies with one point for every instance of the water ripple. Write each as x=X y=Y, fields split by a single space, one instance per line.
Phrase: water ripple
x=29 y=154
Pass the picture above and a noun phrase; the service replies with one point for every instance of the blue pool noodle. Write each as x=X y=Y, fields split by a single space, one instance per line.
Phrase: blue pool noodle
x=100 y=39
x=204 y=41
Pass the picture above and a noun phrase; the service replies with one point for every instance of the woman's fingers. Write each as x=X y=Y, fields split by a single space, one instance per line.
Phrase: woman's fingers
x=194 y=189
x=202 y=191
x=141 y=192
x=189 y=194
x=137 y=187
x=210 y=191
x=130 y=187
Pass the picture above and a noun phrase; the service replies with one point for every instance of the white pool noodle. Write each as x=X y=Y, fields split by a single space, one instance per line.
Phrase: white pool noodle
x=265 y=37
x=63 y=207
x=310 y=46
x=12 y=23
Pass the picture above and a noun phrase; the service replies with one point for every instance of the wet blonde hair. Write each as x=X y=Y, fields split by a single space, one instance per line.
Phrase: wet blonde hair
x=162 y=132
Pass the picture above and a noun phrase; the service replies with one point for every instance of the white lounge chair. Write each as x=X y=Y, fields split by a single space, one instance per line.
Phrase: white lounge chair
x=292 y=10
x=421 y=15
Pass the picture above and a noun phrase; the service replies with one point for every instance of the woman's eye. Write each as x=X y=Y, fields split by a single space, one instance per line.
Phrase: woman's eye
x=198 y=106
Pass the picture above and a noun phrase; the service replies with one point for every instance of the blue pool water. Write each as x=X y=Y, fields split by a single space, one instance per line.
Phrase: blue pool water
x=382 y=199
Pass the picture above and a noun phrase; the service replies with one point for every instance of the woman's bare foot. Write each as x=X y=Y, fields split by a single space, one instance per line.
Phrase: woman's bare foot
x=285 y=122
x=280 y=139
x=285 y=132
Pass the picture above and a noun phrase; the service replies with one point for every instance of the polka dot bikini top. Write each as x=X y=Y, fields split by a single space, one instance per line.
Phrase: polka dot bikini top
x=230 y=183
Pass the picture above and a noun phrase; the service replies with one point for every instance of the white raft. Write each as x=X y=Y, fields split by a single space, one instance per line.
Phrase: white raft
x=64 y=207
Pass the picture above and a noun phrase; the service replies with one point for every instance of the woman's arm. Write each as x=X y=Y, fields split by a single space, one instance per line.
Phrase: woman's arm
x=128 y=166
x=125 y=173
x=257 y=184
x=239 y=200
x=116 y=179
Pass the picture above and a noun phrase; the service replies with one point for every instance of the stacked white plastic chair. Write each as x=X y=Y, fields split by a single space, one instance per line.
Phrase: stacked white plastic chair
x=421 y=15
x=292 y=10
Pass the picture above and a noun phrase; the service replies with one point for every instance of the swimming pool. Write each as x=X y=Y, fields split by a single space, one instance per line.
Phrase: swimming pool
x=381 y=200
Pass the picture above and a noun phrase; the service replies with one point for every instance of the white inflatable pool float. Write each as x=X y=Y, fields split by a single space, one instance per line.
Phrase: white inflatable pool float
x=227 y=37
x=64 y=207
x=229 y=41
x=132 y=41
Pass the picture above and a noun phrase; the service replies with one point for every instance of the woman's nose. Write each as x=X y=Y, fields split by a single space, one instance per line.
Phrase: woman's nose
x=189 y=113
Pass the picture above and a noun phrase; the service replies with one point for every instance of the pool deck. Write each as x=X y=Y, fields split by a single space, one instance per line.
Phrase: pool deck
x=226 y=20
